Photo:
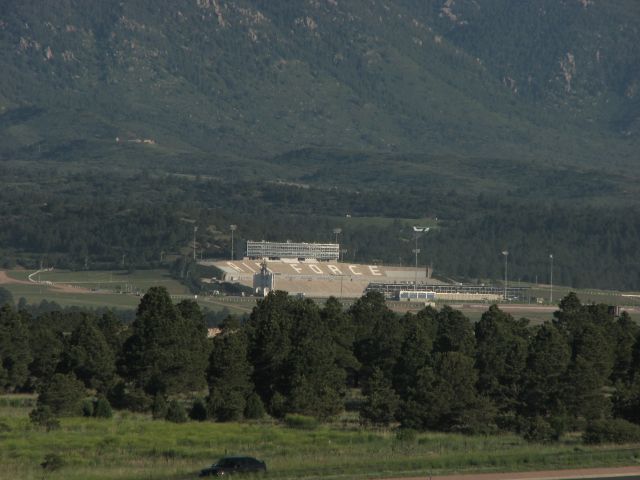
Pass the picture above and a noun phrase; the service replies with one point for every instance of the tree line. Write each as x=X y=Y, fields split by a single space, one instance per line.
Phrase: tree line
x=109 y=221
x=432 y=370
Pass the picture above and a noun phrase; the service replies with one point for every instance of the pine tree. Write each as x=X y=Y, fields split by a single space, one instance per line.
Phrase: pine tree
x=229 y=376
x=15 y=352
x=501 y=356
x=88 y=355
x=455 y=333
x=381 y=401
x=158 y=356
x=63 y=393
x=547 y=362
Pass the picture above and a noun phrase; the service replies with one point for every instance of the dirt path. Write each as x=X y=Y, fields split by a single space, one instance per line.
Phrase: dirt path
x=59 y=287
x=541 y=475
x=6 y=279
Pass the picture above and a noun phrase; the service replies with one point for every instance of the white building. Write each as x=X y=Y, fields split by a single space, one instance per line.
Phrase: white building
x=276 y=250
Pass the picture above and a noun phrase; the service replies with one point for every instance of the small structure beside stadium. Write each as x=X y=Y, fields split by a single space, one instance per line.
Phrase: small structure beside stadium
x=264 y=281
x=300 y=250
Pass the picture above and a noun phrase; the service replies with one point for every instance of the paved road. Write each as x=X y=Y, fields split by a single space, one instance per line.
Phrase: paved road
x=616 y=473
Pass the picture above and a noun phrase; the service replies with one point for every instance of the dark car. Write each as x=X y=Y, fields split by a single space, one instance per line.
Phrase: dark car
x=234 y=465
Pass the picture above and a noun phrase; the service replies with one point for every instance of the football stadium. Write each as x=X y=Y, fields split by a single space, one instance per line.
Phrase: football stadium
x=314 y=270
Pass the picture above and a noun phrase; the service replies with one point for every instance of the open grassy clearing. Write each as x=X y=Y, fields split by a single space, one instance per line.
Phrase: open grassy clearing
x=131 y=446
x=99 y=289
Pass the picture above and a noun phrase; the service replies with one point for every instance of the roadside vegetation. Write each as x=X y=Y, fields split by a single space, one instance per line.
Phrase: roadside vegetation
x=132 y=446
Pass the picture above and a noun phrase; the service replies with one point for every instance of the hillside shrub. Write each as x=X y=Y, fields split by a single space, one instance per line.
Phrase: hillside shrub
x=87 y=408
x=176 y=412
x=303 y=422
x=198 y=410
x=159 y=407
x=102 y=408
x=539 y=430
x=254 y=409
x=43 y=416
x=611 y=431
x=63 y=394
x=406 y=435
x=52 y=462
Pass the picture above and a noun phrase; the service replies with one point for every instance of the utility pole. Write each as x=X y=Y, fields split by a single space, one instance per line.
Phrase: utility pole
x=337 y=231
x=195 y=229
x=416 y=234
x=551 y=279
x=506 y=255
x=233 y=228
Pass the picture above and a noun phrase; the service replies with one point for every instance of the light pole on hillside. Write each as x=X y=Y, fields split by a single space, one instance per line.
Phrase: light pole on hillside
x=506 y=256
x=195 y=229
x=417 y=231
x=336 y=232
x=233 y=228
x=551 y=279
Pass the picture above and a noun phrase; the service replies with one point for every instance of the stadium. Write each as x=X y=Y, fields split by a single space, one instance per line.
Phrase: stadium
x=314 y=270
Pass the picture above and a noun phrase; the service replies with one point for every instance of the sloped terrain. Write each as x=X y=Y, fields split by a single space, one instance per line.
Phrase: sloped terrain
x=207 y=80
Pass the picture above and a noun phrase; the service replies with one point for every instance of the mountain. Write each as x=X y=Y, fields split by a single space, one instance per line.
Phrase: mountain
x=236 y=82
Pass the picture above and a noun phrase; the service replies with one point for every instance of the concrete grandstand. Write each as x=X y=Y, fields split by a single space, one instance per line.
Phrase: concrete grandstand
x=291 y=267
x=318 y=279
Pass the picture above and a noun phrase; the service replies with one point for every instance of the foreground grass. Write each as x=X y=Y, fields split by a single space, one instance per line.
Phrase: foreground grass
x=132 y=446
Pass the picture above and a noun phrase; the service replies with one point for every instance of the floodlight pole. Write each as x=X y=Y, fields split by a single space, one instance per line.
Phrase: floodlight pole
x=337 y=231
x=195 y=229
x=551 y=279
x=416 y=233
x=233 y=229
x=506 y=256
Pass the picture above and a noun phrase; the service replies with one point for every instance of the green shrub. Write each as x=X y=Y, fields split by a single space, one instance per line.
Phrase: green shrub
x=137 y=400
x=255 y=408
x=43 y=416
x=176 y=412
x=539 y=430
x=611 y=431
x=102 y=408
x=304 y=422
x=52 y=462
x=4 y=428
x=63 y=394
x=87 y=408
x=407 y=435
x=159 y=408
x=198 y=410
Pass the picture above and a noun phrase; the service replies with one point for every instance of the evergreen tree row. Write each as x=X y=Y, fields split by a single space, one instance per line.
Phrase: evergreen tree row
x=433 y=370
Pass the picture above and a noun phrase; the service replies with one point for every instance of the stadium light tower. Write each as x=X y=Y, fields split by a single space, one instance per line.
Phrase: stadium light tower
x=233 y=228
x=551 y=279
x=417 y=232
x=336 y=232
x=506 y=255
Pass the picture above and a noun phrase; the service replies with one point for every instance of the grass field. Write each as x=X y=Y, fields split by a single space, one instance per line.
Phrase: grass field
x=131 y=446
x=100 y=289
x=111 y=289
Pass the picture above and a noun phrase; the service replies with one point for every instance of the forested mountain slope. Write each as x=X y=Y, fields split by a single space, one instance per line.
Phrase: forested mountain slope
x=547 y=80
